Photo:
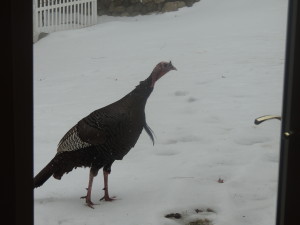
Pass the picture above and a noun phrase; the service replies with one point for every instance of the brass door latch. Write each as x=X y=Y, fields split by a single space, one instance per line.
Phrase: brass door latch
x=264 y=118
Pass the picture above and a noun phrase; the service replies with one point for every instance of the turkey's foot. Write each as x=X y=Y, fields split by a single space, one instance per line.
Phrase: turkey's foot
x=107 y=198
x=88 y=202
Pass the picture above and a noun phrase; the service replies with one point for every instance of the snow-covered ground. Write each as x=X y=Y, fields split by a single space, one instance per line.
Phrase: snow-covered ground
x=230 y=60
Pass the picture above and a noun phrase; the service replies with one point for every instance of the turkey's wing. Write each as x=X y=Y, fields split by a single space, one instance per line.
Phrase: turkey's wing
x=90 y=134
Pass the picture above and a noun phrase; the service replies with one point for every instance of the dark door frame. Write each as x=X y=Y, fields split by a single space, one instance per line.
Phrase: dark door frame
x=17 y=161
x=288 y=201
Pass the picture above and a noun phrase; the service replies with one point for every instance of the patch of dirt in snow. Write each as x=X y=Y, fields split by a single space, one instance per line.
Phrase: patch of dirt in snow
x=197 y=216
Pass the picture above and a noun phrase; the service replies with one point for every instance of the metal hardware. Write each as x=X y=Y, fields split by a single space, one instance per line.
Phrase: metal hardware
x=264 y=118
x=288 y=134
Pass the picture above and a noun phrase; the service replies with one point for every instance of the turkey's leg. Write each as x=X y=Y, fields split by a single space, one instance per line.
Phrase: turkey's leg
x=88 y=201
x=106 y=195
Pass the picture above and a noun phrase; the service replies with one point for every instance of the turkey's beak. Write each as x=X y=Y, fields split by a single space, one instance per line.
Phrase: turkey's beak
x=171 y=67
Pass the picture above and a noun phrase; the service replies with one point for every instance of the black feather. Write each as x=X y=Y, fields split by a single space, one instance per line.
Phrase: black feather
x=149 y=132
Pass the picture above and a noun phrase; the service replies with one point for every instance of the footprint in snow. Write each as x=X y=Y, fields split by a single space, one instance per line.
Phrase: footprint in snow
x=191 y=99
x=271 y=157
x=183 y=139
x=45 y=200
x=251 y=140
x=167 y=153
x=181 y=93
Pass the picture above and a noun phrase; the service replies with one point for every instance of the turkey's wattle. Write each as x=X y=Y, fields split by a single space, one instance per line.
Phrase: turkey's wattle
x=104 y=136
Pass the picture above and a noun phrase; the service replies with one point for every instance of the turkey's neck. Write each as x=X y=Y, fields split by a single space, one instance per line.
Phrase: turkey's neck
x=138 y=96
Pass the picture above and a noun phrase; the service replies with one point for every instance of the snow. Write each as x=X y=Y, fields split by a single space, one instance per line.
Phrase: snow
x=230 y=61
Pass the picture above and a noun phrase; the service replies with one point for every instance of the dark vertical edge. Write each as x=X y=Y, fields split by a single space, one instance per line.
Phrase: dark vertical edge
x=288 y=199
x=21 y=68
x=7 y=153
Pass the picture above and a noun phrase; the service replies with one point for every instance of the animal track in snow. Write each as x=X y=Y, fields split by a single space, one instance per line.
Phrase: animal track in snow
x=271 y=157
x=45 y=200
x=167 y=152
x=183 y=139
x=191 y=99
x=181 y=93
x=251 y=140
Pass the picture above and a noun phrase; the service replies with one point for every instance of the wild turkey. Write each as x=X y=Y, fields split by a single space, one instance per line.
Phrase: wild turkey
x=104 y=136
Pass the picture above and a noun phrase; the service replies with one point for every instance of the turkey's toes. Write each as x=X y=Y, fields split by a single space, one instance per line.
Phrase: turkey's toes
x=88 y=202
x=107 y=198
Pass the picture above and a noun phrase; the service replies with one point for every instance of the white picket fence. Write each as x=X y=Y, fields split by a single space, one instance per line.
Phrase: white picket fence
x=56 y=15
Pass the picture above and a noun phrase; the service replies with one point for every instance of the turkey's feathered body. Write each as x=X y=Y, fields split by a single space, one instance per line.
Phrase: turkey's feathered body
x=119 y=129
x=107 y=134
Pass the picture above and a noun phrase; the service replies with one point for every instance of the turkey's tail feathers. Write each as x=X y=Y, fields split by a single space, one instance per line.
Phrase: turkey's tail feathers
x=45 y=173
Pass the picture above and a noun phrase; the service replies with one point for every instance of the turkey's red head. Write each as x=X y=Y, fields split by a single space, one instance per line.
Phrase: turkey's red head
x=161 y=69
